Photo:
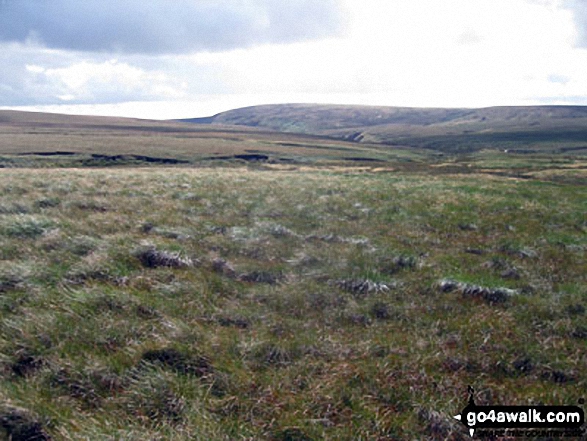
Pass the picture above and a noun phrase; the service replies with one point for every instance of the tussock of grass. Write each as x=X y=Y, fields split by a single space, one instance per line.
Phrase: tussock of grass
x=26 y=363
x=10 y=282
x=19 y=425
x=236 y=321
x=221 y=266
x=150 y=257
x=25 y=226
x=89 y=388
x=490 y=295
x=47 y=203
x=260 y=277
x=178 y=361
x=361 y=286
x=154 y=402
x=439 y=426
x=269 y=354
x=14 y=208
x=83 y=245
x=333 y=238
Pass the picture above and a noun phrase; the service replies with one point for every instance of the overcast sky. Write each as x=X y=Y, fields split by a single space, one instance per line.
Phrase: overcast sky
x=189 y=58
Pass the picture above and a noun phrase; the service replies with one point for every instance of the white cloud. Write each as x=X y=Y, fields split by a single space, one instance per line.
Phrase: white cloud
x=578 y=9
x=88 y=81
x=469 y=36
x=410 y=53
x=402 y=52
x=32 y=68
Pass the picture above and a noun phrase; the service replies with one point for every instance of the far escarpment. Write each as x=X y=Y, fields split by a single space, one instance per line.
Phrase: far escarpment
x=524 y=129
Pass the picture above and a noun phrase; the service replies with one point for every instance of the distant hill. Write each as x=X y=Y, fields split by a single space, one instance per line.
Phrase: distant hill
x=553 y=129
x=45 y=139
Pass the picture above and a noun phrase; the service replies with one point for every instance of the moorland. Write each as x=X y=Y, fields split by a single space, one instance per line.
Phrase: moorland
x=289 y=272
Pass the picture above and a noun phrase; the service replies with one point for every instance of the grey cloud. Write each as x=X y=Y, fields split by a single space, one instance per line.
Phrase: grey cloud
x=164 y=26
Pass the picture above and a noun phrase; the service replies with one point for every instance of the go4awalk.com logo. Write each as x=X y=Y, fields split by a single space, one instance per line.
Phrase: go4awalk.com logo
x=523 y=421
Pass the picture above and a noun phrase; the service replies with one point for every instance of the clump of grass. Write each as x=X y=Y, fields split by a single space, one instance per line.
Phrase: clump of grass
x=522 y=252
x=523 y=365
x=354 y=318
x=91 y=205
x=277 y=230
x=150 y=228
x=179 y=361
x=26 y=363
x=236 y=321
x=151 y=257
x=558 y=376
x=21 y=425
x=154 y=401
x=504 y=268
x=456 y=364
x=223 y=267
x=575 y=309
x=14 y=208
x=334 y=238
x=362 y=287
x=382 y=311
x=83 y=245
x=26 y=226
x=257 y=276
x=9 y=282
x=290 y=434
x=580 y=333
x=93 y=266
x=403 y=262
x=47 y=202
x=398 y=263
x=269 y=354
x=325 y=301
x=439 y=426
x=490 y=295
x=81 y=386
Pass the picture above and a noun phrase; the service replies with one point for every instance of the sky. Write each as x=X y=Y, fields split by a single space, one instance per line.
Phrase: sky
x=164 y=59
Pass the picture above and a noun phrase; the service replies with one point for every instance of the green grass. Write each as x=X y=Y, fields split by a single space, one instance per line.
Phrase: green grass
x=280 y=342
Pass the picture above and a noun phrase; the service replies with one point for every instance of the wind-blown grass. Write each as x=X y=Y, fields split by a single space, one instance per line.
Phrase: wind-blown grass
x=301 y=304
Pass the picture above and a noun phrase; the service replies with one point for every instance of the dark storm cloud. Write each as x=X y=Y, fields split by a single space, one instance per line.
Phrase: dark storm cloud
x=164 y=26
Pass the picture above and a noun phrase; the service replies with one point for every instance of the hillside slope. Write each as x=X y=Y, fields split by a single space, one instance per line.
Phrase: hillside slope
x=33 y=139
x=555 y=129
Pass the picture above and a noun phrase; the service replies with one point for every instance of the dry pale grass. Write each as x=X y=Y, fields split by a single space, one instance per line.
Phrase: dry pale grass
x=25 y=133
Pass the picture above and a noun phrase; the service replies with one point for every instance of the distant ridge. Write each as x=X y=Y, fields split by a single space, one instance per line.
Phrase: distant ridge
x=29 y=139
x=536 y=128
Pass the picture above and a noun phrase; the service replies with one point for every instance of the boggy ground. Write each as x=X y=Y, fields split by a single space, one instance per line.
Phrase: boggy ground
x=240 y=303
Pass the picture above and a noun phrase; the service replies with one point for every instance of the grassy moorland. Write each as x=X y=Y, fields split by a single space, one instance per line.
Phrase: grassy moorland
x=46 y=140
x=287 y=301
x=534 y=129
